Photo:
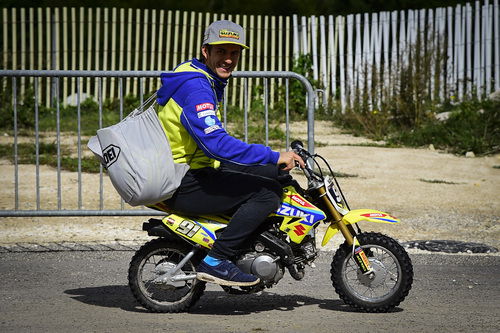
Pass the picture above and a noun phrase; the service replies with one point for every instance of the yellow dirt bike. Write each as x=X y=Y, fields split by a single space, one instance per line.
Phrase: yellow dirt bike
x=369 y=271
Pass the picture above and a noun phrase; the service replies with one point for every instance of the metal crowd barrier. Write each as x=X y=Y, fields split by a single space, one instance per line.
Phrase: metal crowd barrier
x=56 y=76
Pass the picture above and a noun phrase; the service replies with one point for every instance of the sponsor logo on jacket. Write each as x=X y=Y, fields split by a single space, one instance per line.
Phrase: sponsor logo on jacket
x=206 y=113
x=210 y=129
x=204 y=106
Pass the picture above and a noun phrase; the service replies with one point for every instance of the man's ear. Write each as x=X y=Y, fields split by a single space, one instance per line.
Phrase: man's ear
x=205 y=51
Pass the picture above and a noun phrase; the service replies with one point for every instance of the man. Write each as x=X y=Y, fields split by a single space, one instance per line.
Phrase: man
x=245 y=184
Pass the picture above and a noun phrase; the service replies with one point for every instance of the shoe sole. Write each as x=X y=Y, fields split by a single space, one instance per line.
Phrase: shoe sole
x=210 y=278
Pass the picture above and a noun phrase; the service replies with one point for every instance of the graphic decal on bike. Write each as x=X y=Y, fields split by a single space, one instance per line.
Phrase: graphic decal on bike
x=381 y=217
x=299 y=230
x=294 y=205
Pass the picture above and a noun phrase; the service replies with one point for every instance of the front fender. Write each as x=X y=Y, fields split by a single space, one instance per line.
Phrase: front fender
x=358 y=215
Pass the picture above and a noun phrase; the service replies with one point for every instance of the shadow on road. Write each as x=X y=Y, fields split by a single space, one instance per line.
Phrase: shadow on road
x=211 y=303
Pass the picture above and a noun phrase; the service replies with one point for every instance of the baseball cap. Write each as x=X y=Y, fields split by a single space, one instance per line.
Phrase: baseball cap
x=225 y=32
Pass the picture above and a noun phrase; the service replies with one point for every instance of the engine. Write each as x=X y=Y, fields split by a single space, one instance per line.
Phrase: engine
x=263 y=265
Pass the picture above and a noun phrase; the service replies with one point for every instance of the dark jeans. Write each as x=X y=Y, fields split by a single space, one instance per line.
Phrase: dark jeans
x=249 y=194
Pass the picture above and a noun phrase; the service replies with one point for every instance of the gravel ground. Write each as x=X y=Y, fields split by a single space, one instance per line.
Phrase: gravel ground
x=438 y=196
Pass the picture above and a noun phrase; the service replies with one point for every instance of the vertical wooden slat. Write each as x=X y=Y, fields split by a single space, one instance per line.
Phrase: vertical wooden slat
x=14 y=38
x=153 y=40
x=288 y=57
x=296 y=44
x=252 y=50
x=394 y=65
x=145 y=43
x=183 y=37
x=200 y=30
x=450 y=83
x=48 y=55
x=266 y=43
x=5 y=39
x=105 y=53
x=161 y=28
x=90 y=24
x=64 y=51
x=243 y=63
x=176 y=38
x=332 y=56
x=431 y=49
x=365 y=74
x=128 y=54
x=376 y=53
x=31 y=63
x=349 y=62
x=385 y=82
x=488 y=38
x=168 y=49
x=457 y=59
x=23 y=48
x=468 y=50
x=114 y=55
x=463 y=50
x=137 y=49
x=97 y=81
x=496 y=52
x=273 y=57
x=313 y=26
x=192 y=36
x=323 y=60
x=402 y=39
x=340 y=27
x=357 y=56
x=73 y=48
x=257 y=50
x=305 y=47
x=81 y=47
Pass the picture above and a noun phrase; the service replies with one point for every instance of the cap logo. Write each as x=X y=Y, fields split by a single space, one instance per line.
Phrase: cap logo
x=228 y=34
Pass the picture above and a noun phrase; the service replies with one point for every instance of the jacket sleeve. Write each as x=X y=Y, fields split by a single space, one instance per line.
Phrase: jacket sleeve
x=199 y=117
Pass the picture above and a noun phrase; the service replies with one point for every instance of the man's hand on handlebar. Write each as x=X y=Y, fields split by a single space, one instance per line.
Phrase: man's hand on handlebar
x=288 y=160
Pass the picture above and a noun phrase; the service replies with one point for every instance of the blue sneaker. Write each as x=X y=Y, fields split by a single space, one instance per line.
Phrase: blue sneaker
x=226 y=274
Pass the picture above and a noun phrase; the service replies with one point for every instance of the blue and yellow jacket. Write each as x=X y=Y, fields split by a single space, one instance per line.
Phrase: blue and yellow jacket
x=188 y=110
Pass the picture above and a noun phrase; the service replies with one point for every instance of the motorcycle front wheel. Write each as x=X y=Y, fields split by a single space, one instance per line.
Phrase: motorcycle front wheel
x=383 y=289
x=150 y=263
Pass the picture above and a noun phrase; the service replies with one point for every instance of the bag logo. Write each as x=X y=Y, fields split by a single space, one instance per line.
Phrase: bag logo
x=110 y=155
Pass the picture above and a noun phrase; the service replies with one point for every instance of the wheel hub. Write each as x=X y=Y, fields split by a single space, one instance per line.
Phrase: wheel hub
x=164 y=272
x=375 y=278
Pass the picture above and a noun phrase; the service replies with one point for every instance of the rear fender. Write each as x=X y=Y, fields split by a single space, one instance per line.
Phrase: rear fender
x=358 y=215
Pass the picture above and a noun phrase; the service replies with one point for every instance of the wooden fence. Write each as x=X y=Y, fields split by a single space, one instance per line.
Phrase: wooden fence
x=351 y=55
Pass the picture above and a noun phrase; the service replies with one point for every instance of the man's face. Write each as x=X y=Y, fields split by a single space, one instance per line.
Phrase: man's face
x=222 y=58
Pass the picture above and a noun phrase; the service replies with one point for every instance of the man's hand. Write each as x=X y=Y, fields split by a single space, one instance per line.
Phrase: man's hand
x=288 y=159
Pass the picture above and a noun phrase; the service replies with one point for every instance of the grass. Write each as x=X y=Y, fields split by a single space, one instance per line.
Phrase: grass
x=26 y=154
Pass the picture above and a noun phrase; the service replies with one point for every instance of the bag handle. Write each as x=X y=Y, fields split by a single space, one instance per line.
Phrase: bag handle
x=142 y=107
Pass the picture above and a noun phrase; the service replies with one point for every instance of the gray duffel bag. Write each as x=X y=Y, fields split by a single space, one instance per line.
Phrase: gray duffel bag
x=138 y=157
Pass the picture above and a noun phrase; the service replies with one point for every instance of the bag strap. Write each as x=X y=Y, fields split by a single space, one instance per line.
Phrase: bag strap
x=142 y=107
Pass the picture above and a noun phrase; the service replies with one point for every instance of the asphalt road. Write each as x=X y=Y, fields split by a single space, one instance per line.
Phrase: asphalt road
x=86 y=291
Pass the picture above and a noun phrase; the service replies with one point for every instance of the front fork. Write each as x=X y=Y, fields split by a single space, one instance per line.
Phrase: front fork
x=358 y=253
x=349 y=234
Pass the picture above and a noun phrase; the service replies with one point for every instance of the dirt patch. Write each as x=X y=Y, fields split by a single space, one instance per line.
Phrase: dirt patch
x=437 y=195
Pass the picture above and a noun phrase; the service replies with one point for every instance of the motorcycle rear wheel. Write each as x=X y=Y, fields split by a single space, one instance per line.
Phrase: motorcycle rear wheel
x=153 y=259
x=391 y=280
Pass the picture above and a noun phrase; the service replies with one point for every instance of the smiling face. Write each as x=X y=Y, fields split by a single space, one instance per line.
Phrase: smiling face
x=222 y=58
